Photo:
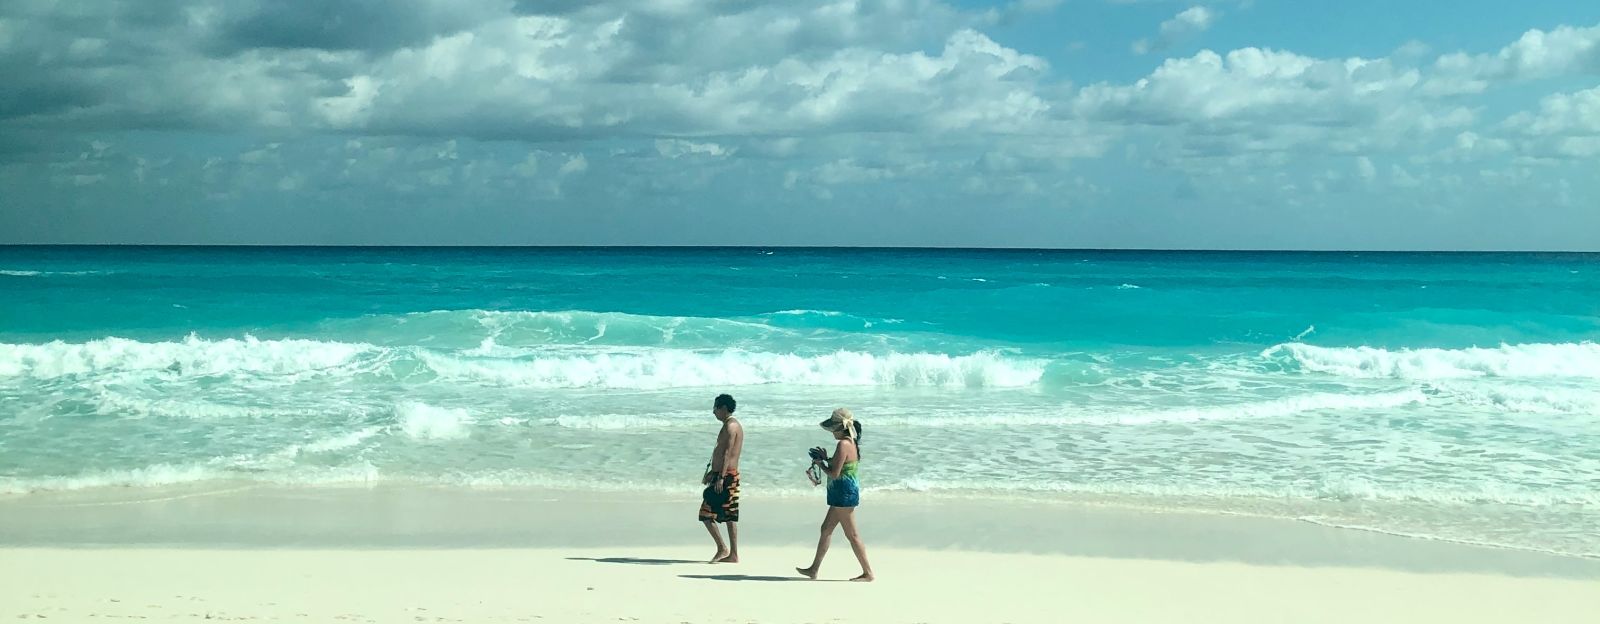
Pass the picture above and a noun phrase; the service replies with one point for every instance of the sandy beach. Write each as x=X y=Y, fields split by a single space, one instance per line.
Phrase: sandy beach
x=408 y=555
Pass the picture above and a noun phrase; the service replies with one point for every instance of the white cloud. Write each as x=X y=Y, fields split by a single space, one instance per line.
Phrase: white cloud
x=677 y=148
x=1537 y=54
x=540 y=77
x=886 y=163
x=1578 y=147
x=1271 y=101
x=1188 y=23
x=575 y=165
x=1469 y=144
x=1566 y=126
x=847 y=171
x=1399 y=177
x=1253 y=84
x=524 y=70
x=1561 y=114
x=292 y=182
x=1365 y=168
x=529 y=167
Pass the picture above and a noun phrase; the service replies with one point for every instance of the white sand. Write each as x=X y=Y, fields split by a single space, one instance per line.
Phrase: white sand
x=410 y=556
x=515 y=585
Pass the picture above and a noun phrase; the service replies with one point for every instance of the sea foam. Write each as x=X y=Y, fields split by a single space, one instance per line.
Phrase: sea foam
x=192 y=356
x=421 y=421
x=667 y=368
x=566 y=367
x=1576 y=360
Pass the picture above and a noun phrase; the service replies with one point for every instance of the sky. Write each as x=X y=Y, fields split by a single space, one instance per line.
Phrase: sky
x=1244 y=124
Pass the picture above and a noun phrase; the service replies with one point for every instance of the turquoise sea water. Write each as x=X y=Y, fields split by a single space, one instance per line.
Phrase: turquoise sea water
x=1452 y=396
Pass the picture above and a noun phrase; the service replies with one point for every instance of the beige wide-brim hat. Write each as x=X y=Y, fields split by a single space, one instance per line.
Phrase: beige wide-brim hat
x=841 y=420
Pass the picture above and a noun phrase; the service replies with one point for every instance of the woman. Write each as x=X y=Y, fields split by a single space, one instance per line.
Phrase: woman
x=844 y=493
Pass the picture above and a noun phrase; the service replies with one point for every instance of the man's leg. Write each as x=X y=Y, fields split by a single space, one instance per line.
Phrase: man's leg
x=716 y=536
x=730 y=516
x=708 y=516
x=733 y=543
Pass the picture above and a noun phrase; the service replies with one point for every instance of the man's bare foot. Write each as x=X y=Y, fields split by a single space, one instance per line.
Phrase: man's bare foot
x=864 y=578
x=728 y=559
x=721 y=554
x=810 y=573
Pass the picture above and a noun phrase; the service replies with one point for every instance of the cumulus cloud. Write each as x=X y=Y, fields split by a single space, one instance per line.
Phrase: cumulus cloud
x=541 y=78
x=1260 y=101
x=1365 y=169
x=1567 y=125
x=575 y=165
x=658 y=109
x=1266 y=101
x=547 y=71
x=1562 y=113
x=677 y=148
x=1253 y=84
x=1563 y=51
x=1188 y=23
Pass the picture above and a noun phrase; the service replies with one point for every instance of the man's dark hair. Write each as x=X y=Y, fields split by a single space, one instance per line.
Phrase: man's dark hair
x=725 y=401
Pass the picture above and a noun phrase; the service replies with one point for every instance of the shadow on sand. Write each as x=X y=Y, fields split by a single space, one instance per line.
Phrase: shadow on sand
x=634 y=560
x=747 y=577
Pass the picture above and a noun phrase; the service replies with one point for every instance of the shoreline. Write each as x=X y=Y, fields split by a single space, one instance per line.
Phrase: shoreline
x=253 y=516
x=391 y=554
x=1320 y=512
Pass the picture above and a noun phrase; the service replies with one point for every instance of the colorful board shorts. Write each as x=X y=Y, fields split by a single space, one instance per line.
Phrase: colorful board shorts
x=721 y=506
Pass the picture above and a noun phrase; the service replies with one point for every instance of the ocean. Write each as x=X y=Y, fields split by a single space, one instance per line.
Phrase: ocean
x=1444 y=396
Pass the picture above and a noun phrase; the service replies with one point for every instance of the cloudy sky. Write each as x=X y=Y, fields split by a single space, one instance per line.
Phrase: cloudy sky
x=1362 y=124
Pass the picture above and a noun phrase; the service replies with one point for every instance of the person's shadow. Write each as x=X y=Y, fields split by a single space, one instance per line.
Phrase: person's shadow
x=700 y=577
x=747 y=577
x=634 y=560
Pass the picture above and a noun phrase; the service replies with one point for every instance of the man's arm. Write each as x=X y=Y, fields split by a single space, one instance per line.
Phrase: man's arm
x=730 y=450
x=724 y=456
x=719 y=454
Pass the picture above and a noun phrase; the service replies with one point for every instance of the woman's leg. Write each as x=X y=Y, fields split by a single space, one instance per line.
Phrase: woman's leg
x=828 y=522
x=848 y=519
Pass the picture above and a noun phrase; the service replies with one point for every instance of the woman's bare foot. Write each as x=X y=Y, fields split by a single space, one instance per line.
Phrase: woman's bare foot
x=810 y=573
x=864 y=578
x=717 y=558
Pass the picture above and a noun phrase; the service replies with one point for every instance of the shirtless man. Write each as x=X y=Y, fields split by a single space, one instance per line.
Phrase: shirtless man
x=720 y=501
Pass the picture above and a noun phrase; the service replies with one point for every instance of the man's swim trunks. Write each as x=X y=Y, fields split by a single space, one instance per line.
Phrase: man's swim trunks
x=721 y=506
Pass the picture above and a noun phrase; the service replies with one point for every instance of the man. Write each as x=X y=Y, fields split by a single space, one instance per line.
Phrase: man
x=720 y=501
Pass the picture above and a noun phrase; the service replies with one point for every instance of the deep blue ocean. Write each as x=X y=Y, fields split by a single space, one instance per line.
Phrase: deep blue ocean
x=1450 y=396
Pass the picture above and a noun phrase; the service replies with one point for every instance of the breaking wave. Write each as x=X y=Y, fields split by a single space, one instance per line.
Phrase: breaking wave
x=1571 y=360
x=638 y=368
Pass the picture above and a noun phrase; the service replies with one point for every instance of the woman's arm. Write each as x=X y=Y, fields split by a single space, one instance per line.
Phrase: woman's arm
x=835 y=464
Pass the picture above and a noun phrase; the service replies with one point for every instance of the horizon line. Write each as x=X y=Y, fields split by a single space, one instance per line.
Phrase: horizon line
x=790 y=247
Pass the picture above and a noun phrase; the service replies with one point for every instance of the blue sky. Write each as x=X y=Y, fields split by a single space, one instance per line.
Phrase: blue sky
x=1030 y=123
